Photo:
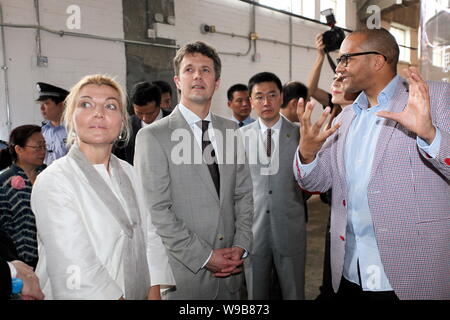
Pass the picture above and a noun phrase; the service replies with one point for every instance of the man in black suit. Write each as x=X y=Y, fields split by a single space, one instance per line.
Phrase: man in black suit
x=146 y=99
x=16 y=269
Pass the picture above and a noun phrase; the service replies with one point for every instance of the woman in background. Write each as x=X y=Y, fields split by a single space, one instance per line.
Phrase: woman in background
x=96 y=238
x=25 y=160
x=336 y=100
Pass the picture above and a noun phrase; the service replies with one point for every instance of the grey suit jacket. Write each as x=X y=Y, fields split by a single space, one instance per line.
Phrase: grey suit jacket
x=279 y=218
x=189 y=215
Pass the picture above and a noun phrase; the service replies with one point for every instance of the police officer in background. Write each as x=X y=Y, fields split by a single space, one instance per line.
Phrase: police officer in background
x=51 y=99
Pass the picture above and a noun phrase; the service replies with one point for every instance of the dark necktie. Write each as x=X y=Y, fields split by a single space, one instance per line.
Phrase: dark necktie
x=209 y=156
x=269 y=143
x=241 y=124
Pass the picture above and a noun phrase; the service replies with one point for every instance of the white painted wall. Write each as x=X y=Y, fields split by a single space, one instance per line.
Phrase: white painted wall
x=69 y=58
x=233 y=16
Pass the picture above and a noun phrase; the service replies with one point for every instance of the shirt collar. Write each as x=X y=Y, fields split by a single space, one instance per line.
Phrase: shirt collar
x=276 y=126
x=243 y=121
x=383 y=98
x=50 y=125
x=190 y=117
x=158 y=117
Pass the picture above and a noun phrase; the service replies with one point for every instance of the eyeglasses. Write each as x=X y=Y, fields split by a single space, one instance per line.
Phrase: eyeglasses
x=41 y=147
x=260 y=98
x=344 y=58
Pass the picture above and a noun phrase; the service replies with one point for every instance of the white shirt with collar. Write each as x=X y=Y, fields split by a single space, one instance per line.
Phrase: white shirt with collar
x=159 y=117
x=275 y=132
x=192 y=119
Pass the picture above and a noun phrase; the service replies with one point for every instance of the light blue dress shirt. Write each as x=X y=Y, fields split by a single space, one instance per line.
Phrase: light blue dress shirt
x=246 y=121
x=55 y=139
x=361 y=245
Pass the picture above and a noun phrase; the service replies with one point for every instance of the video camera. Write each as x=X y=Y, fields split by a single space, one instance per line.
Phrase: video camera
x=332 y=39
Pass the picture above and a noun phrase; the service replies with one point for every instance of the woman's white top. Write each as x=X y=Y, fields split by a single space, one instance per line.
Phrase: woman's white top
x=81 y=246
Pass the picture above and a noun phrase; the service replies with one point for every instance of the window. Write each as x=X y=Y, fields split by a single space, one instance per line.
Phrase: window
x=338 y=7
x=301 y=7
x=328 y=4
x=441 y=58
x=402 y=35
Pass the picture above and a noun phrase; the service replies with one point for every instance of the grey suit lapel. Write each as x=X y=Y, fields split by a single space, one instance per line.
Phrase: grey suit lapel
x=397 y=104
x=177 y=121
x=286 y=135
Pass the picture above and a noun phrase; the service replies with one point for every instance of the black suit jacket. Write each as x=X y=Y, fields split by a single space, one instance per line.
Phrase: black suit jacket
x=7 y=253
x=127 y=152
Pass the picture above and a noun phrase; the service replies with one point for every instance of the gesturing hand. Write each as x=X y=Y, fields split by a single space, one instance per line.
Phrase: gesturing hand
x=311 y=137
x=416 y=117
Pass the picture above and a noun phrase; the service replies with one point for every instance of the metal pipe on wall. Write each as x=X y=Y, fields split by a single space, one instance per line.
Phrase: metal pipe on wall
x=85 y=35
x=290 y=47
x=38 y=31
x=4 y=67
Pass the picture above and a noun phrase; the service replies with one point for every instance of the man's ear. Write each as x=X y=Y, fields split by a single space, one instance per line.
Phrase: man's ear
x=379 y=62
x=251 y=104
x=217 y=84
x=177 y=82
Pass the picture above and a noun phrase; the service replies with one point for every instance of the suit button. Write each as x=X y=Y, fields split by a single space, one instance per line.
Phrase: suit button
x=267 y=211
x=270 y=192
x=220 y=237
x=343 y=202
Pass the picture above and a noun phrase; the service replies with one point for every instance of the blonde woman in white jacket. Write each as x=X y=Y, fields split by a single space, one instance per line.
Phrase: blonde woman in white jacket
x=96 y=239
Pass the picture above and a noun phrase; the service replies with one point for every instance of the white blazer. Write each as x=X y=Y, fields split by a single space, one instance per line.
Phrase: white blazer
x=81 y=246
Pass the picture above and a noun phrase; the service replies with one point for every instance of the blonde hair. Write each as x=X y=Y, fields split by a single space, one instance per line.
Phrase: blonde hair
x=71 y=104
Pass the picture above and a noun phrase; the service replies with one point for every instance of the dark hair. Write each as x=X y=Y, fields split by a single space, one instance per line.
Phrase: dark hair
x=234 y=88
x=382 y=41
x=293 y=90
x=5 y=157
x=144 y=92
x=197 y=47
x=264 y=77
x=163 y=86
x=19 y=137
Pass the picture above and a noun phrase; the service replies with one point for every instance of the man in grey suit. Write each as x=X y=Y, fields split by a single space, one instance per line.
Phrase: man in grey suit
x=202 y=207
x=279 y=219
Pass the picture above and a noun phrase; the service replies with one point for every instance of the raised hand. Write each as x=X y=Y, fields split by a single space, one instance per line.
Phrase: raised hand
x=416 y=117
x=320 y=45
x=311 y=136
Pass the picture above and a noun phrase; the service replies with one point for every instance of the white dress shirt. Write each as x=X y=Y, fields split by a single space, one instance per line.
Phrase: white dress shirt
x=159 y=117
x=192 y=119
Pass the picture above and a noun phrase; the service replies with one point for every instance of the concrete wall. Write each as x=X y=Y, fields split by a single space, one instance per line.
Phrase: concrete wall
x=69 y=58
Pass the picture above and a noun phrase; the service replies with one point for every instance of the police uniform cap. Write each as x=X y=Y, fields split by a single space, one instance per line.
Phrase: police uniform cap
x=48 y=91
